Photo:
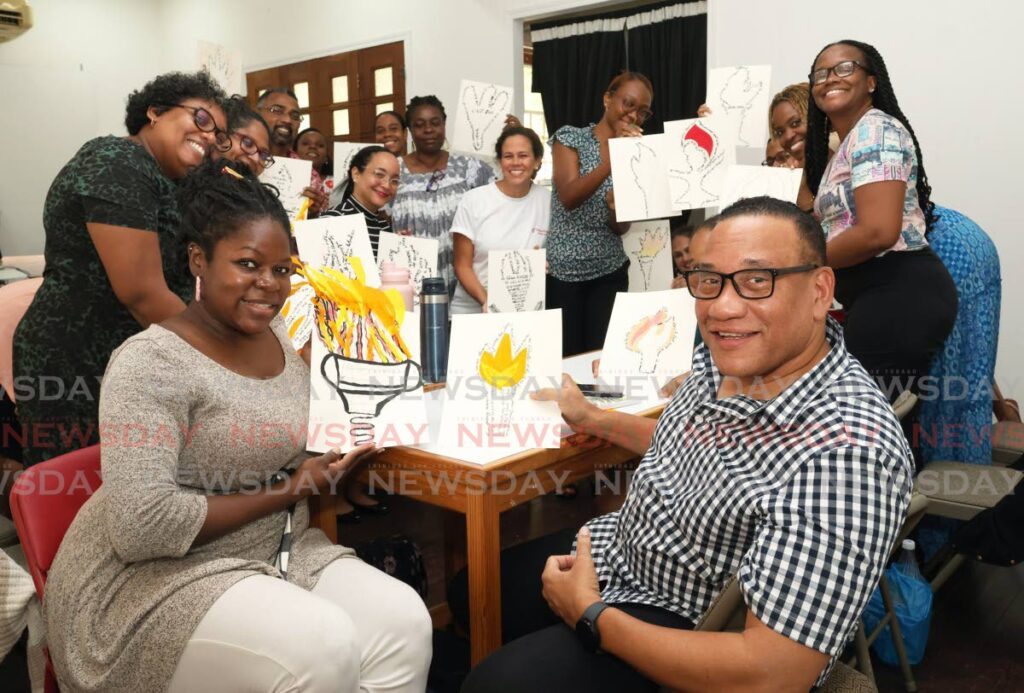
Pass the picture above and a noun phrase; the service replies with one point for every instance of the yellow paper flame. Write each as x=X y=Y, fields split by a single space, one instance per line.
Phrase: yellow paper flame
x=355 y=320
x=500 y=369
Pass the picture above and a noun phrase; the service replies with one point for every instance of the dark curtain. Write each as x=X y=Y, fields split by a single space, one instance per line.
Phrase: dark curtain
x=673 y=54
x=572 y=73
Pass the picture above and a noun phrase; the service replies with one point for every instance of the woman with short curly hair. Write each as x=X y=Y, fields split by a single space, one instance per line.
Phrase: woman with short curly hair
x=112 y=266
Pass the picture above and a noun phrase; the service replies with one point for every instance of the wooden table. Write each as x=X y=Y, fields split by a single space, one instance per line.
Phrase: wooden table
x=481 y=493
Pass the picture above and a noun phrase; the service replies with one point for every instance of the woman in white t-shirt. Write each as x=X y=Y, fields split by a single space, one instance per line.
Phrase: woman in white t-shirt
x=509 y=214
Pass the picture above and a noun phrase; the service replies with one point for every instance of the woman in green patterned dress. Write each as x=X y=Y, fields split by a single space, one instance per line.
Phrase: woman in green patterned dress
x=113 y=266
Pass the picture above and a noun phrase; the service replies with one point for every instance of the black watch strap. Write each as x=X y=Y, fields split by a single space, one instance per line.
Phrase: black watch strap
x=586 y=627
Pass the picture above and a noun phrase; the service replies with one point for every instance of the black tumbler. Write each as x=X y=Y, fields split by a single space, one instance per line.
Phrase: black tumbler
x=434 y=329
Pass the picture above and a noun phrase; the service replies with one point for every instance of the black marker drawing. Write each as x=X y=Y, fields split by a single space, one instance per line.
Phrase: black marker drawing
x=643 y=164
x=337 y=251
x=365 y=387
x=739 y=93
x=516 y=274
x=701 y=158
x=483 y=108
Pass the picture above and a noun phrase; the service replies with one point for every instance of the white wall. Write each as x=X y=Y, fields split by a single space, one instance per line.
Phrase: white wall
x=951 y=65
x=62 y=83
x=445 y=40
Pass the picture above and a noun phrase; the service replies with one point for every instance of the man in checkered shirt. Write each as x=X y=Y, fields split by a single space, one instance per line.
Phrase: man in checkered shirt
x=778 y=460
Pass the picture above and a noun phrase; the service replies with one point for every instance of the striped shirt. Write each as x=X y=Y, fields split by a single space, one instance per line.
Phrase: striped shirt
x=374 y=223
x=801 y=497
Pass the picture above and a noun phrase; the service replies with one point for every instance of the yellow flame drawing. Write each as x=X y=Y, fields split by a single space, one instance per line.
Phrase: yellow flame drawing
x=651 y=244
x=352 y=319
x=500 y=369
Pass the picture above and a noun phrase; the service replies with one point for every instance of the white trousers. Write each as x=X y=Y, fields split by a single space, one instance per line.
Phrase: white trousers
x=358 y=630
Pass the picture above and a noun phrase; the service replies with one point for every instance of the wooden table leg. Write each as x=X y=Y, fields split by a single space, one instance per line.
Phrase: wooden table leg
x=454 y=544
x=483 y=546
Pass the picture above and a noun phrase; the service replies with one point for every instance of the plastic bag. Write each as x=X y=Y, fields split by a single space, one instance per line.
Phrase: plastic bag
x=912 y=602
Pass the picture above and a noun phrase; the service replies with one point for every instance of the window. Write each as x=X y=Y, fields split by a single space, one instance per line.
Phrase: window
x=341 y=94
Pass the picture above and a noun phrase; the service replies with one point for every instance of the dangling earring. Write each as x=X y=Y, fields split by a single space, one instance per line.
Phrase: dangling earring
x=199 y=289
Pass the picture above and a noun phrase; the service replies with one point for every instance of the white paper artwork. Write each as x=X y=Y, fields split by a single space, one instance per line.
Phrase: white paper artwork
x=515 y=280
x=224 y=65
x=290 y=177
x=419 y=255
x=352 y=401
x=752 y=181
x=639 y=177
x=700 y=150
x=331 y=241
x=480 y=117
x=742 y=93
x=649 y=248
x=495 y=361
x=649 y=341
x=297 y=312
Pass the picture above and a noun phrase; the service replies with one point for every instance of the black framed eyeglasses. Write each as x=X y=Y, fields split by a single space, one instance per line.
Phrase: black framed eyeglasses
x=753 y=284
x=205 y=122
x=248 y=145
x=843 y=69
x=780 y=159
x=642 y=114
x=435 y=179
x=280 y=110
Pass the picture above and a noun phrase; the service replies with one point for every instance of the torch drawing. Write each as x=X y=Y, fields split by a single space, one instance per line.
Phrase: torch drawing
x=651 y=243
x=502 y=372
x=650 y=336
x=368 y=363
x=516 y=273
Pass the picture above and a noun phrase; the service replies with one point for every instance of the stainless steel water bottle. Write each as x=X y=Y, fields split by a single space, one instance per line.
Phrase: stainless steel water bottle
x=434 y=329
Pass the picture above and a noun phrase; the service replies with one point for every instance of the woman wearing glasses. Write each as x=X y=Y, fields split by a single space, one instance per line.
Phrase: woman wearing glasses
x=433 y=182
x=113 y=266
x=587 y=265
x=873 y=201
x=250 y=136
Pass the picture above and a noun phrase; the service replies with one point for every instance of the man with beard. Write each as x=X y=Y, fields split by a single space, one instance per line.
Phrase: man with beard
x=280 y=108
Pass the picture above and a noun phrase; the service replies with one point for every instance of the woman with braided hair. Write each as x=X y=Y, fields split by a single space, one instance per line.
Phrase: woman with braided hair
x=193 y=567
x=787 y=123
x=873 y=201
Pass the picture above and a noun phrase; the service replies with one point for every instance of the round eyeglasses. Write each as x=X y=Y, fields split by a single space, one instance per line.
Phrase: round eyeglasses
x=205 y=122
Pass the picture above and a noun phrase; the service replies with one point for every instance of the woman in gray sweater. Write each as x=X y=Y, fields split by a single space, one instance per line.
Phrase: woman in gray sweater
x=177 y=575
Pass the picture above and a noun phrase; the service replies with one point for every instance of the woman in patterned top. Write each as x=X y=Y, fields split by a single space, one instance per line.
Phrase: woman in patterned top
x=433 y=181
x=872 y=199
x=586 y=262
x=113 y=266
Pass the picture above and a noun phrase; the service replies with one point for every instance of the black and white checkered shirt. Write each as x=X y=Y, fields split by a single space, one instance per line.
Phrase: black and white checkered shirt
x=801 y=497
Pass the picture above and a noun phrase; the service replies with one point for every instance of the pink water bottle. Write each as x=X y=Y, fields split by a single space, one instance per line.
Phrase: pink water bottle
x=393 y=276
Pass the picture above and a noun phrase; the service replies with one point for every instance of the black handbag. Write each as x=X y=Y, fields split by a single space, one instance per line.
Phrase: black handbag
x=399 y=557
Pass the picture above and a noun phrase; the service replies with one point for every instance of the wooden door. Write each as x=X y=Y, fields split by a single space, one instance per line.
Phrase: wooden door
x=341 y=94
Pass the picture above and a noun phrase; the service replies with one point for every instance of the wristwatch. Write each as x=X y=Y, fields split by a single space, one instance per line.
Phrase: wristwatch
x=586 y=627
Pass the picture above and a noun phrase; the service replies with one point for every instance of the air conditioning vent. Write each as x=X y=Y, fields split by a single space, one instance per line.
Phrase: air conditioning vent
x=15 y=19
